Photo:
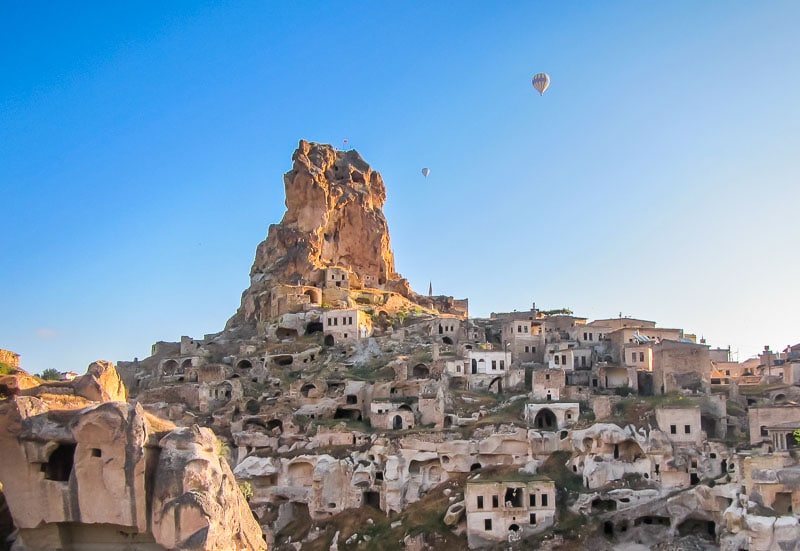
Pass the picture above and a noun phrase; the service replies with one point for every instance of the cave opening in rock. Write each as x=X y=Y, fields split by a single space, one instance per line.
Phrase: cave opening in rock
x=314 y=327
x=372 y=499
x=59 y=464
x=545 y=420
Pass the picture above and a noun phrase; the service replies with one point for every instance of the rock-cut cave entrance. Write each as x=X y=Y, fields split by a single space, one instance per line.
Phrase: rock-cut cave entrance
x=545 y=420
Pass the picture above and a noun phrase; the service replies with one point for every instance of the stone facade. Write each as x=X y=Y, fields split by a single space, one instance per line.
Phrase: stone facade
x=506 y=511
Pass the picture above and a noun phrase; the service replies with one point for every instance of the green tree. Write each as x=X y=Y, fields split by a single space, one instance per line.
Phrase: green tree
x=246 y=488
x=51 y=374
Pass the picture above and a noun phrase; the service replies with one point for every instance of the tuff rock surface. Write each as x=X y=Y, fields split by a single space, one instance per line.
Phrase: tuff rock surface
x=81 y=473
x=334 y=217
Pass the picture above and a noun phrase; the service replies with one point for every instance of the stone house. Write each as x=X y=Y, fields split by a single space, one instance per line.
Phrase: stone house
x=638 y=356
x=390 y=415
x=774 y=424
x=679 y=365
x=638 y=335
x=617 y=376
x=498 y=510
x=446 y=329
x=525 y=339
x=551 y=416
x=774 y=481
x=681 y=424
x=560 y=356
x=491 y=370
x=548 y=384
x=347 y=325
x=336 y=276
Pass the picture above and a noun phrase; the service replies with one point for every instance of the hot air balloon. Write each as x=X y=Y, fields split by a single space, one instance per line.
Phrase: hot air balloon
x=541 y=81
x=426 y=171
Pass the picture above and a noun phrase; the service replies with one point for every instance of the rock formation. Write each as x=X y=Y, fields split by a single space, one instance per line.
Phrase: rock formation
x=90 y=474
x=333 y=218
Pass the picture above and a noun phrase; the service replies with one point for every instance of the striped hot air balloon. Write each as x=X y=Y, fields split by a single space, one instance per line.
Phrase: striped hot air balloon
x=541 y=81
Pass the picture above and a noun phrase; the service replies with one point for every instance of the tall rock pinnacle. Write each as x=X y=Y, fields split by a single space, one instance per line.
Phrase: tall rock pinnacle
x=333 y=219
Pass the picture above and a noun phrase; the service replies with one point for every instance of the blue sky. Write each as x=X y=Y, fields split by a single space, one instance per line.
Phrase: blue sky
x=142 y=149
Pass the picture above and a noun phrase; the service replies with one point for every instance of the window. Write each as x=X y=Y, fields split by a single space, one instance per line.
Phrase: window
x=641 y=356
x=673 y=429
x=336 y=321
x=533 y=349
x=585 y=337
x=350 y=320
x=458 y=369
x=547 y=377
x=557 y=359
x=494 y=365
x=519 y=329
x=564 y=359
x=495 y=501
x=480 y=502
x=687 y=429
x=524 y=328
x=633 y=357
x=590 y=336
x=728 y=372
x=544 y=500
x=487 y=524
x=502 y=364
x=533 y=518
x=533 y=500
x=527 y=349
x=329 y=321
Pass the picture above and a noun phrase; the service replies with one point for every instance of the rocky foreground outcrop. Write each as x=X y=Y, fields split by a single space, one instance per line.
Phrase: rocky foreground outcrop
x=89 y=474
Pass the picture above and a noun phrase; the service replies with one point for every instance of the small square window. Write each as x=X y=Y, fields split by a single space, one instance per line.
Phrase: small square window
x=97 y=452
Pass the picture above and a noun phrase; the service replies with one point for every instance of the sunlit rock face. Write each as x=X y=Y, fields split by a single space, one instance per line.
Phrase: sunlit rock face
x=333 y=218
x=87 y=474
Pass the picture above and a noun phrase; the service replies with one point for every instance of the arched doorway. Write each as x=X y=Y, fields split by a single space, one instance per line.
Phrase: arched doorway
x=545 y=420
x=397 y=423
x=329 y=340
x=420 y=371
x=168 y=368
x=496 y=385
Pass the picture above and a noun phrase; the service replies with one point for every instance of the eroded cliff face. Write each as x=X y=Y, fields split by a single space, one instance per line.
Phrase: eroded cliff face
x=80 y=472
x=333 y=218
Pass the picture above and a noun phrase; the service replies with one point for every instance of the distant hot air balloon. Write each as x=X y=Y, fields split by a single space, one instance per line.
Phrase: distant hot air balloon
x=541 y=81
x=344 y=142
x=426 y=171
